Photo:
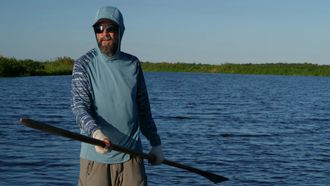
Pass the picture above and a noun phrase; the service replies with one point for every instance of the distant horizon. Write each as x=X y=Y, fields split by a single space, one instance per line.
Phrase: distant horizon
x=206 y=32
x=266 y=62
x=173 y=62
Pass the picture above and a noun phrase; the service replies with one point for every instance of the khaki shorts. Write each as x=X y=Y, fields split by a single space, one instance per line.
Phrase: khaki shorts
x=130 y=173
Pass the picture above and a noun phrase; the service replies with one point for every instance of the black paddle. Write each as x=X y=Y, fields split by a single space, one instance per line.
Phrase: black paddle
x=65 y=133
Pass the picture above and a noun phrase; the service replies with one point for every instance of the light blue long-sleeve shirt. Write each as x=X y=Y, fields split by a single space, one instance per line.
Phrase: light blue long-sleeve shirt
x=110 y=94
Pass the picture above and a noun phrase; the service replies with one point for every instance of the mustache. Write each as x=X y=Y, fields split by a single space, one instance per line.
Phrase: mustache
x=106 y=38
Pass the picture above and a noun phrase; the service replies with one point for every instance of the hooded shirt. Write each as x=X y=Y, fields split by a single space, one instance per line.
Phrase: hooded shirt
x=109 y=93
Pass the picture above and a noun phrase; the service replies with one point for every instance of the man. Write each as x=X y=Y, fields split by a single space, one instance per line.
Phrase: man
x=110 y=103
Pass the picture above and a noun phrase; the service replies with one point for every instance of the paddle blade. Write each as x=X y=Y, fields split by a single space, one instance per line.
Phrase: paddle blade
x=215 y=178
x=209 y=175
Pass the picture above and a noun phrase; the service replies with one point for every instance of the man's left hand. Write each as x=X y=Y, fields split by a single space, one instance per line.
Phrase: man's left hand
x=157 y=154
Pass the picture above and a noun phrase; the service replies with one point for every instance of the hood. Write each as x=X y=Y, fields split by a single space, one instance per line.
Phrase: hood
x=112 y=13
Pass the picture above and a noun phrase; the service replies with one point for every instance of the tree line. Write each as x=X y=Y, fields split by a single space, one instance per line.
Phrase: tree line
x=11 y=67
x=296 y=69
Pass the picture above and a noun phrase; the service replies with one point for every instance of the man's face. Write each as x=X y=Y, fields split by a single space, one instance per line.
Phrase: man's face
x=106 y=32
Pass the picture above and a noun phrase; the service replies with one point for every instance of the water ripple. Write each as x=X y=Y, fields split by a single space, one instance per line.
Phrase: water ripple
x=256 y=130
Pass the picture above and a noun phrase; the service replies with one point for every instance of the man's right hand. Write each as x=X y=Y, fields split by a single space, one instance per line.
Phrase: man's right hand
x=98 y=134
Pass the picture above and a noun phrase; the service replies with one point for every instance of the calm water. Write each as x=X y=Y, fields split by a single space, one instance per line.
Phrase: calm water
x=256 y=130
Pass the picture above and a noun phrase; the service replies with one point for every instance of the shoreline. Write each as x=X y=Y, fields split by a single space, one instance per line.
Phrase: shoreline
x=11 y=67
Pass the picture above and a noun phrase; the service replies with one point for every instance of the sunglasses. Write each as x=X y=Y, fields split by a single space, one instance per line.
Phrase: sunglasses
x=108 y=28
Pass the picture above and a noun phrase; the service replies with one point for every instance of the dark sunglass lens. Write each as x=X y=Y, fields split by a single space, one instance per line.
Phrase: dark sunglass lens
x=108 y=28
x=98 y=28
x=111 y=28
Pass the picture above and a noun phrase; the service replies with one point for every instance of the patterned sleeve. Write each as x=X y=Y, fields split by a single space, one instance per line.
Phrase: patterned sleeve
x=82 y=98
x=147 y=124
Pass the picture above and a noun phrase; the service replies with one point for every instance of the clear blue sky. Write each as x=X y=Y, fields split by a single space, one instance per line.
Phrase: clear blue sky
x=190 y=31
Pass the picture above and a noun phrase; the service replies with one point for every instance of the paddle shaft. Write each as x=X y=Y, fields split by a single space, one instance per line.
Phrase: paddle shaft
x=75 y=136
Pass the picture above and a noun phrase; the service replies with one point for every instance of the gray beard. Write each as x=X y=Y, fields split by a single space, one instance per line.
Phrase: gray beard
x=109 y=50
